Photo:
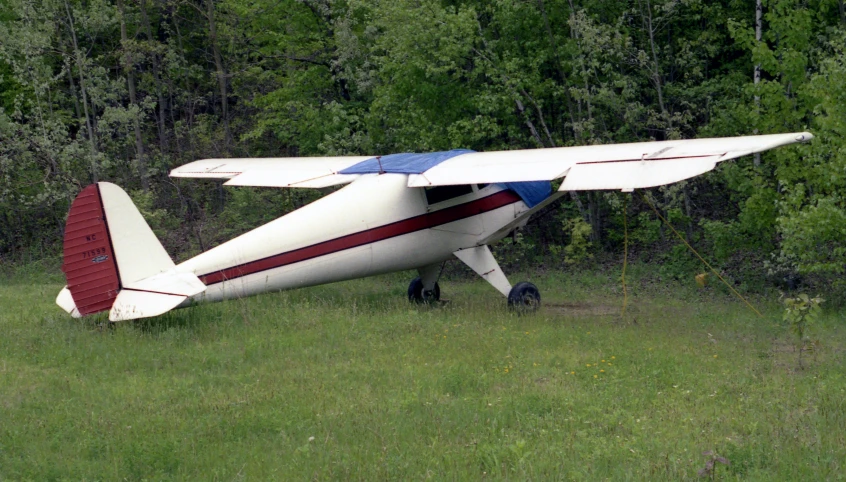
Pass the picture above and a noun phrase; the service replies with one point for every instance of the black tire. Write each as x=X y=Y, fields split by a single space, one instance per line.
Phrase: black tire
x=524 y=297
x=416 y=293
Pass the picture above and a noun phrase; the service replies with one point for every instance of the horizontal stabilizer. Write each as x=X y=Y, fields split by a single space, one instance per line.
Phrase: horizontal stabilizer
x=131 y=304
x=65 y=302
x=154 y=295
x=171 y=283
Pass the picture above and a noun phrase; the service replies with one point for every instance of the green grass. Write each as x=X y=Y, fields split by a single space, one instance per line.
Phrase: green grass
x=350 y=382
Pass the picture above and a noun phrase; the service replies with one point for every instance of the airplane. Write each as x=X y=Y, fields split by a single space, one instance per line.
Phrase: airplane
x=395 y=212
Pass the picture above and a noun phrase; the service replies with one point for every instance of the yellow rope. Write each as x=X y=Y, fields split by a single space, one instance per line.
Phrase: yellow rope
x=698 y=256
x=625 y=254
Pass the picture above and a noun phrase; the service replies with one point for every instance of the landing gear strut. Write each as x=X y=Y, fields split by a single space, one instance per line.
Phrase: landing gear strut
x=524 y=297
x=418 y=294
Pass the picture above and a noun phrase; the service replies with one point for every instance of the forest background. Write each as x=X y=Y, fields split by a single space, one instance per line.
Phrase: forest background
x=125 y=90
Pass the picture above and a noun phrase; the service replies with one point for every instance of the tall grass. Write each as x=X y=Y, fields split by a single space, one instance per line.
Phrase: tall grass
x=349 y=381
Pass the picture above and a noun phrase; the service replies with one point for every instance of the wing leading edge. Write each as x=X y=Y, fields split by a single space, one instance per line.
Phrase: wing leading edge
x=615 y=166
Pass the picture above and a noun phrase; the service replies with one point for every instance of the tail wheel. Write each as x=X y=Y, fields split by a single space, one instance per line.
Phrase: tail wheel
x=418 y=294
x=524 y=297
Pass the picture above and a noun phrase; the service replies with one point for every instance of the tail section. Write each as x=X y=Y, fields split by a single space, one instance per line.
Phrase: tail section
x=89 y=259
x=113 y=261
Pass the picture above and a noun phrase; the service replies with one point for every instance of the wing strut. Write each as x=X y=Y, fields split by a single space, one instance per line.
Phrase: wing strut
x=481 y=260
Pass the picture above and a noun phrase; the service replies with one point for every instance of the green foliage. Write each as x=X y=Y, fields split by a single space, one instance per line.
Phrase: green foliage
x=578 y=250
x=801 y=313
x=160 y=220
x=812 y=223
x=93 y=91
x=679 y=263
x=520 y=250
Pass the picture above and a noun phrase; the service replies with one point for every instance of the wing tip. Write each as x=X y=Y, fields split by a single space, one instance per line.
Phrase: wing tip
x=804 y=137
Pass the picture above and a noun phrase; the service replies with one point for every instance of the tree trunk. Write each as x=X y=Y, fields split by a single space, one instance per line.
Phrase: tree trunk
x=160 y=118
x=594 y=216
x=574 y=34
x=529 y=122
x=759 y=13
x=656 y=67
x=77 y=109
x=562 y=78
x=221 y=75
x=540 y=117
x=79 y=65
x=129 y=68
x=687 y=212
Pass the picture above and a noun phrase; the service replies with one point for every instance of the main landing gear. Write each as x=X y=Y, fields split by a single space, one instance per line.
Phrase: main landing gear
x=417 y=292
x=523 y=298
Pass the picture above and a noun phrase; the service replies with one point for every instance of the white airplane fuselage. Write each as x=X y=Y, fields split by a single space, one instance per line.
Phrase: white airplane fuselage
x=376 y=224
x=372 y=226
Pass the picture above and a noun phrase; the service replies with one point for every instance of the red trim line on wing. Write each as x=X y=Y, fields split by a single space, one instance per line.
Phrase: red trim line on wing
x=654 y=159
x=399 y=228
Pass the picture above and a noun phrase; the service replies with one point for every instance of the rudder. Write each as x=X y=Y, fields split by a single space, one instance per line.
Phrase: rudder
x=89 y=262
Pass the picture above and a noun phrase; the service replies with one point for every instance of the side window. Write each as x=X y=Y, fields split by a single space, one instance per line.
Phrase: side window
x=438 y=194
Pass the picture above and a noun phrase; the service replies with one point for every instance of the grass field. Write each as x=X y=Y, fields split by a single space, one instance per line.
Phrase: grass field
x=350 y=382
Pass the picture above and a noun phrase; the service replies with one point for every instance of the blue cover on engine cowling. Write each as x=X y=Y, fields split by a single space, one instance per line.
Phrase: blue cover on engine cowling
x=532 y=192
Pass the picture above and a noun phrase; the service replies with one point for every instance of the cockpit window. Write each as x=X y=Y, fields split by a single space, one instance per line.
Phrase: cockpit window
x=436 y=194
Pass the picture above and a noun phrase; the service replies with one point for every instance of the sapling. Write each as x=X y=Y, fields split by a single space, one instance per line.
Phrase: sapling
x=801 y=312
x=710 y=469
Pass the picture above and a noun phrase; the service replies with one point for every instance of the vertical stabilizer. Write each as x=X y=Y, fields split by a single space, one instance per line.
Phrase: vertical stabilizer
x=139 y=253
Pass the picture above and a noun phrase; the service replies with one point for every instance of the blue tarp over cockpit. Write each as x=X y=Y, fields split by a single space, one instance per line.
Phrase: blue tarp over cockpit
x=532 y=192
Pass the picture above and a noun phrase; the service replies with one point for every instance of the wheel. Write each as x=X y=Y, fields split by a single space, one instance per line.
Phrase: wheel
x=417 y=294
x=524 y=297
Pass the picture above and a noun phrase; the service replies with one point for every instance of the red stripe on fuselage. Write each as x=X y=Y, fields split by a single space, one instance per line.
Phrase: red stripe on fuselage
x=398 y=228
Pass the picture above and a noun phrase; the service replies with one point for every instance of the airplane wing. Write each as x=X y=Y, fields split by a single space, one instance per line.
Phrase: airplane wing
x=615 y=166
x=313 y=172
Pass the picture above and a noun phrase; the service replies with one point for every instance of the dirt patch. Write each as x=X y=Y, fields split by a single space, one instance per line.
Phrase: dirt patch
x=583 y=309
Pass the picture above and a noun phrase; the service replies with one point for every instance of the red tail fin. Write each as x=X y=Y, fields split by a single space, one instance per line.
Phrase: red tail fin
x=89 y=261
